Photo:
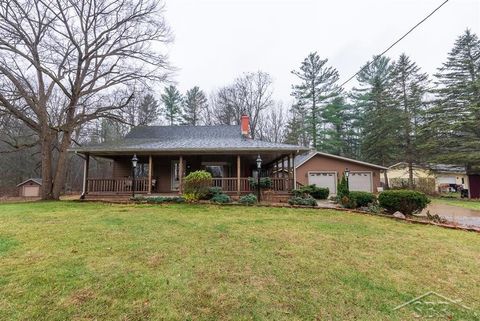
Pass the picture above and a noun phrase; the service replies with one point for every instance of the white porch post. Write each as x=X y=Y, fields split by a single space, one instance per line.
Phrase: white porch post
x=86 y=164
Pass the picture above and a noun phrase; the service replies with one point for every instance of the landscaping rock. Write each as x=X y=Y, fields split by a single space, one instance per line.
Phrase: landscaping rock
x=398 y=214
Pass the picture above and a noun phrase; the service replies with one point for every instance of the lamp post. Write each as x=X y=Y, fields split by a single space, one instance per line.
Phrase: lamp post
x=259 y=167
x=134 y=166
x=347 y=173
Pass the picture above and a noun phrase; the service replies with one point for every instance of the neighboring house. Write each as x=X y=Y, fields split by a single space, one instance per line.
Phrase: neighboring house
x=168 y=153
x=325 y=170
x=440 y=177
x=30 y=188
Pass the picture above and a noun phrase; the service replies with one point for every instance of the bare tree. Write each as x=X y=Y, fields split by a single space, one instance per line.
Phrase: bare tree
x=250 y=94
x=62 y=61
x=272 y=124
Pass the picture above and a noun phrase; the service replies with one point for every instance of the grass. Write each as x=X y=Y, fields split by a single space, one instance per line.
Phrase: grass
x=90 y=261
x=466 y=203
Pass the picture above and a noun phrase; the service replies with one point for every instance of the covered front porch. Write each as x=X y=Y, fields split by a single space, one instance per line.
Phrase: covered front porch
x=165 y=173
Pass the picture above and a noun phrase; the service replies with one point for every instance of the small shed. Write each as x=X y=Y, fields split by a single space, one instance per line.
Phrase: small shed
x=30 y=187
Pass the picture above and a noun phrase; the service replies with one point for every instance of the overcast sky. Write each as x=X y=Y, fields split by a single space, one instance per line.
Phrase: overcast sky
x=217 y=40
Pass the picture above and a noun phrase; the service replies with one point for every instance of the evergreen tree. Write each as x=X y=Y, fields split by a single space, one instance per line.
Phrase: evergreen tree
x=453 y=125
x=409 y=89
x=337 y=121
x=194 y=106
x=296 y=132
x=379 y=117
x=316 y=89
x=147 y=110
x=172 y=102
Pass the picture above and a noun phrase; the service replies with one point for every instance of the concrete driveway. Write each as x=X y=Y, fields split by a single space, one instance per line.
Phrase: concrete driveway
x=460 y=215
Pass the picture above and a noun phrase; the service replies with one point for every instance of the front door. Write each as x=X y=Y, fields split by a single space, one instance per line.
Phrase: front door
x=175 y=175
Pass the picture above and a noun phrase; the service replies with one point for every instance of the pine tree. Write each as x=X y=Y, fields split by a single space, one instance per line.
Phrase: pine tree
x=172 y=102
x=409 y=90
x=148 y=111
x=194 y=106
x=337 y=121
x=379 y=117
x=316 y=89
x=453 y=124
x=296 y=132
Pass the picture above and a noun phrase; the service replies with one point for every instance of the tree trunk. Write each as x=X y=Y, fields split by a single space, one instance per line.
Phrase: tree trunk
x=46 y=142
x=61 y=168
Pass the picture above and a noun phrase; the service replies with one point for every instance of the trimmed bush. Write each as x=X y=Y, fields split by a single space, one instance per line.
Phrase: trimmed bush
x=221 y=198
x=265 y=182
x=197 y=185
x=158 y=199
x=307 y=200
x=248 y=199
x=348 y=202
x=212 y=191
x=362 y=199
x=320 y=193
x=405 y=201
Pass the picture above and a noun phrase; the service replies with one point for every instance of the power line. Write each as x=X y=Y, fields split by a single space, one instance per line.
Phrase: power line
x=393 y=44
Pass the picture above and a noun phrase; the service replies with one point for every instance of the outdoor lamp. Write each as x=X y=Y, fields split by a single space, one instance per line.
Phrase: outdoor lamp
x=134 y=165
x=134 y=161
x=347 y=173
x=259 y=162
x=259 y=166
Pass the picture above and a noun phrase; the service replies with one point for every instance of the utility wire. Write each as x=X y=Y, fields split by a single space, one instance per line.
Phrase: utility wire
x=393 y=44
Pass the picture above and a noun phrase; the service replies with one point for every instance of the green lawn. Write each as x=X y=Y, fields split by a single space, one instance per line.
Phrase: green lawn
x=472 y=204
x=90 y=261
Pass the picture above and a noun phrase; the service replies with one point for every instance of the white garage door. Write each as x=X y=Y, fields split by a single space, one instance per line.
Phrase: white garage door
x=446 y=180
x=31 y=191
x=360 y=181
x=324 y=179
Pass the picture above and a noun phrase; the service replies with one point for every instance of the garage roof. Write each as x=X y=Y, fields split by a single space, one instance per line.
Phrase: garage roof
x=302 y=159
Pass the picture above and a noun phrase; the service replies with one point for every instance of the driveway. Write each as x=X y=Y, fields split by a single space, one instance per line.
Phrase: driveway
x=460 y=215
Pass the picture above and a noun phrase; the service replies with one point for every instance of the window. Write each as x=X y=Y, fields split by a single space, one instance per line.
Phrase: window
x=215 y=170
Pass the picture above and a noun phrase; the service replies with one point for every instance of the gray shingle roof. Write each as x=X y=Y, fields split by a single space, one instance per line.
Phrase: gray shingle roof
x=187 y=138
x=35 y=180
x=303 y=158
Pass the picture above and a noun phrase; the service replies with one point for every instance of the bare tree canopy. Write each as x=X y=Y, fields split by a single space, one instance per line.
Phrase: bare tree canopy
x=66 y=62
x=249 y=95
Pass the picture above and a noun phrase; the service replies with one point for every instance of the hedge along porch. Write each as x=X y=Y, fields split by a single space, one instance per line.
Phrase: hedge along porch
x=168 y=153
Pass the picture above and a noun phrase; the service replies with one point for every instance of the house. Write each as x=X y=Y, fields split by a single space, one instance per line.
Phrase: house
x=167 y=154
x=431 y=177
x=325 y=170
x=30 y=187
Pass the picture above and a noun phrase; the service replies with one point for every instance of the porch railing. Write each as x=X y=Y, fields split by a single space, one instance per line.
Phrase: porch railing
x=116 y=185
x=227 y=184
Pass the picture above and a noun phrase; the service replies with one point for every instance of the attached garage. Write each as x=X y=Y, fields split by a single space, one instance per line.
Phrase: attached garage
x=30 y=188
x=360 y=181
x=324 y=179
x=324 y=170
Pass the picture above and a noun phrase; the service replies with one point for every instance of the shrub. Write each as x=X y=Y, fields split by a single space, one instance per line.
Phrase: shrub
x=158 y=199
x=316 y=192
x=265 y=182
x=212 y=191
x=221 y=198
x=362 y=199
x=307 y=200
x=197 y=185
x=342 y=188
x=190 y=197
x=348 y=202
x=405 y=201
x=248 y=199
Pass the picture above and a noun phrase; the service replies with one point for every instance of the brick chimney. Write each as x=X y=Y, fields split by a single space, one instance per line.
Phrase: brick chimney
x=245 y=125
